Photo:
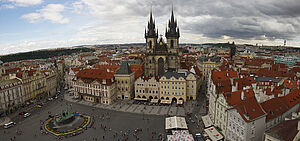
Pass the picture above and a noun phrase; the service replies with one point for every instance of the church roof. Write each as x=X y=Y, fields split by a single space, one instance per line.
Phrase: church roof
x=170 y=74
x=124 y=68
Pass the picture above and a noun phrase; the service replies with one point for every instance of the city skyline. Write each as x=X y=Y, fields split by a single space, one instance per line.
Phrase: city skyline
x=41 y=24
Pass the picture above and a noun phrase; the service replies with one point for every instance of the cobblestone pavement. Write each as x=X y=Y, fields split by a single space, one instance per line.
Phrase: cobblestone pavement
x=119 y=118
x=119 y=125
x=140 y=108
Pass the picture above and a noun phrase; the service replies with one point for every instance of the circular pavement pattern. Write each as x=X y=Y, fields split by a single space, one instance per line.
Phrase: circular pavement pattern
x=80 y=123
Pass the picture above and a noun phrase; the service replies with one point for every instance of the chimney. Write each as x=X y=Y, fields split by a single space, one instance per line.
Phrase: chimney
x=243 y=96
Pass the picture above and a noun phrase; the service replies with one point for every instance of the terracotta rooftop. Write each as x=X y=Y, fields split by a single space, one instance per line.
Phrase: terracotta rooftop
x=96 y=74
x=234 y=98
x=249 y=109
x=243 y=82
x=285 y=131
x=274 y=107
x=292 y=98
x=290 y=84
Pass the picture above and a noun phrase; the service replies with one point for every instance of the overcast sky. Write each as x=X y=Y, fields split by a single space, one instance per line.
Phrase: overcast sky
x=27 y=25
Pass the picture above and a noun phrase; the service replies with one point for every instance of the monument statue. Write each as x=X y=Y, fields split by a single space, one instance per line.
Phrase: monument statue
x=65 y=118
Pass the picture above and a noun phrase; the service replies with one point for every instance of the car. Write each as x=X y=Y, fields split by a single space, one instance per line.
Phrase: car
x=21 y=113
x=8 y=125
x=38 y=106
x=26 y=115
x=50 y=98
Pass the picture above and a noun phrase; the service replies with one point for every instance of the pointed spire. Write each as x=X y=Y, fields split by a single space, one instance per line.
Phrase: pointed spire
x=172 y=15
x=151 y=26
x=151 y=19
x=172 y=30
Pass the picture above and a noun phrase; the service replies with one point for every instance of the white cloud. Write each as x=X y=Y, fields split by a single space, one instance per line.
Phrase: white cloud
x=32 y=17
x=51 y=12
x=8 y=6
x=78 y=7
x=21 y=3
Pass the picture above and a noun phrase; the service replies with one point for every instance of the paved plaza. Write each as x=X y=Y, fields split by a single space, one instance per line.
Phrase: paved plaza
x=119 y=125
x=127 y=106
x=120 y=121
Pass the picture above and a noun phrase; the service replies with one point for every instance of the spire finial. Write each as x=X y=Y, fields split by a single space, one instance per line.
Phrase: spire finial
x=172 y=16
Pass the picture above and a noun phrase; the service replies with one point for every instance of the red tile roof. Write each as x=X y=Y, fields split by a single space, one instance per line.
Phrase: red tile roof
x=243 y=82
x=110 y=67
x=234 y=98
x=286 y=130
x=274 y=107
x=138 y=69
x=290 y=84
x=198 y=72
x=249 y=109
x=292 y=98
x=96 y=74
x=13 y=70
x=222 y=80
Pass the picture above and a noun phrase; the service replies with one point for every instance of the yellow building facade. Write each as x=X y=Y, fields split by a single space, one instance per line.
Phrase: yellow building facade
x=206 y=64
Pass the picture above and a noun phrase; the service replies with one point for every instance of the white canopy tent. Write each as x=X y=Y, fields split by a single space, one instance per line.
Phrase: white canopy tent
x=176 y=123
x=213 y=134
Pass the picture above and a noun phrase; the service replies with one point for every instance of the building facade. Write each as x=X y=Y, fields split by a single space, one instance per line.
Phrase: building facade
x=125 y=81
x=51 y=82
x=147 y=88
x=207 y=64
x=181 y=85
x=95 y=85
x=11 y=96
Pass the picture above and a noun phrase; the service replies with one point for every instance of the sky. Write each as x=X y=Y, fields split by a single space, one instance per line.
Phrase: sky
x=27 y=25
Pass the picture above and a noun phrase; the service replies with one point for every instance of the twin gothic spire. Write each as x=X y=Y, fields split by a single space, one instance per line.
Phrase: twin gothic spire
x=171 y=31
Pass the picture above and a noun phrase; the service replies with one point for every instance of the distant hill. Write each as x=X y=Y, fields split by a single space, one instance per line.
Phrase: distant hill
x=43 y=54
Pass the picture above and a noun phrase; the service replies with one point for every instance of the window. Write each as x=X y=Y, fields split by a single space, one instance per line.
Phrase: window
x=150 y=44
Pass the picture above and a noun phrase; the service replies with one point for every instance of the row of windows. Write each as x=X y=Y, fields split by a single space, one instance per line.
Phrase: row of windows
x=237 y=128
x=91 y=86
x=150 y=85
x=126 y=89
x=173 y=93
x=167 y=87
x=122 y=82
x=143 y=91
x=172 y=82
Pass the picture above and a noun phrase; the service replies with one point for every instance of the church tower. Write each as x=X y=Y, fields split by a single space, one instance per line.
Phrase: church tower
x=160 y=56
x=172 y=35
x=151 y=35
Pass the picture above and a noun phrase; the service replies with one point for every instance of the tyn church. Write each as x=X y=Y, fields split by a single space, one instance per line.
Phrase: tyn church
x=161 y=56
